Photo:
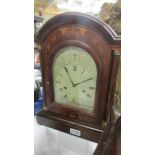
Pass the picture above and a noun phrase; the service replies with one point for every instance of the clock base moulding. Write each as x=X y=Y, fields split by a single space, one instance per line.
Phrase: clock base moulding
x=87 y=131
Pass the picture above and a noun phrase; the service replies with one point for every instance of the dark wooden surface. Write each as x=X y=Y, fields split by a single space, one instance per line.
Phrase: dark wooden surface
x=111 y=145
x=101 y=42
x=114 y=70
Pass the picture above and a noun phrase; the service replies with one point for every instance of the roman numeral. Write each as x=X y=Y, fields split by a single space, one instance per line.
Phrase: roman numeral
x=83 y=91
x=74 y=56
x=73 y=99
x=92 y=88
x=65 y=87
x=65 y=96
x=74 y=68
x=88 y=95
x=61 y=89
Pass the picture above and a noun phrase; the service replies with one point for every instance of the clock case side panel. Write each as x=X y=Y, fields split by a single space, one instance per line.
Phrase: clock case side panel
x=115 y=61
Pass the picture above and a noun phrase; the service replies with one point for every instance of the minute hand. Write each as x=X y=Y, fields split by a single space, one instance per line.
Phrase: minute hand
x=83 y=81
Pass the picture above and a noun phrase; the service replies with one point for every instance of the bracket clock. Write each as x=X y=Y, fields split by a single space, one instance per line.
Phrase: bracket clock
x=79 y=63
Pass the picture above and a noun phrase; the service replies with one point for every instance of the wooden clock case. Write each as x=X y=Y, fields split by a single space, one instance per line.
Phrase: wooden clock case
x=101 y=42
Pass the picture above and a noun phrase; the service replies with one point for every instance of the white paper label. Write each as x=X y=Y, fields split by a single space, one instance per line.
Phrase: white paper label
x=75 y=132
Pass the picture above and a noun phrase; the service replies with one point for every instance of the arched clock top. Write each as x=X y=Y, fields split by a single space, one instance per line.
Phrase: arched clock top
x=81 y=19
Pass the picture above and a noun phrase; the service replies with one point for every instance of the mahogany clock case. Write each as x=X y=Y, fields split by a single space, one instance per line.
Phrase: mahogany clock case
x=101 y=42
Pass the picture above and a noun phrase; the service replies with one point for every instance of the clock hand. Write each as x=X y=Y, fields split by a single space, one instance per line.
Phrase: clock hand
x=69 y=76
x=83 y=81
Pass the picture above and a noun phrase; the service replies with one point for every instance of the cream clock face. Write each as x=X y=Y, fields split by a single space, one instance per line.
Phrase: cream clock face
x=74 y=78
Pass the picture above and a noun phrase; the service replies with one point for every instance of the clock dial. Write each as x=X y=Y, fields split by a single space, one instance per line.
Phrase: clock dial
x=74 y=77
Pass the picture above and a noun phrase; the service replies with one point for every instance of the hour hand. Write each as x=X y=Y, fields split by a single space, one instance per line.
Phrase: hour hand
x=65 y=68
